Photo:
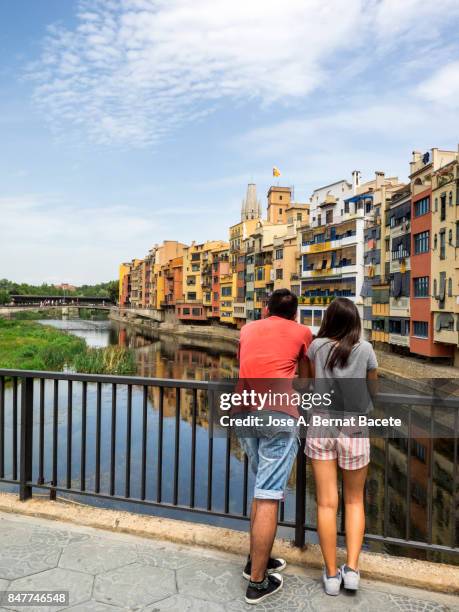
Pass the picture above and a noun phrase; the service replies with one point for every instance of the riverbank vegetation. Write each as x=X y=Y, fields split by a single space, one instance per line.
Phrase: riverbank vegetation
x=27 y=345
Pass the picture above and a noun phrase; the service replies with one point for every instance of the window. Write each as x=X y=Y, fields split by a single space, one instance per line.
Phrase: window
x=195 y=267
x=442 y=244
x=215 y=296
x=443 y=207
x=450 y=236
x=450 y=198
x=191 y=295
x=280 y=211
x=450 y=287
x=260 y=274
x=226 y=291
x=436 y=205
x=421 y=286
x=329 y=216
x=279 y=253
x=299 y=216
x=185 y=311
x=421 y=243
x=196 y=312
x=279 y=274
x=421 y=207
x=306 y=317
x=319 y=219
x=435 y=242
x=421 y=329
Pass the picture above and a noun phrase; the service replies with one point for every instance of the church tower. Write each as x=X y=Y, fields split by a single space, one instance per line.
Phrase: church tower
x=251 y=208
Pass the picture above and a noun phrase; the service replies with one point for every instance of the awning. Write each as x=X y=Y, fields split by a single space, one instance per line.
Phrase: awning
x=367 y=289
x=397 y=290
x=362 y=196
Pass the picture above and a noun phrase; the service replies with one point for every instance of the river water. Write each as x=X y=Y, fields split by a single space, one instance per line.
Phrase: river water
x=174 y=358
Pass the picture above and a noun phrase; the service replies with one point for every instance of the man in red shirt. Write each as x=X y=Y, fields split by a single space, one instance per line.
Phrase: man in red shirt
x=272 y=348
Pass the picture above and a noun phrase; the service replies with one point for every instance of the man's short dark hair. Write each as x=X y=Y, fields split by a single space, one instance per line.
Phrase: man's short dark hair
x=283 y=303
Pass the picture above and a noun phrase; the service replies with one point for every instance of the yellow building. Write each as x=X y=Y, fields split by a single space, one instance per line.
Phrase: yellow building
x=124 y=284
x=227 y=291
x=285 y=250
x=137 y=283
x=197 y=279
x=444 y=263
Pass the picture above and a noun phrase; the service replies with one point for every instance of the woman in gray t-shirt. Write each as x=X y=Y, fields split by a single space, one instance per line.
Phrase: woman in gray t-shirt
x=338 y=357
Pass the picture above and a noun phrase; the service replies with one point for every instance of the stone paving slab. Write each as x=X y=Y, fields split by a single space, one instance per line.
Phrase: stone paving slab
x=110 y=572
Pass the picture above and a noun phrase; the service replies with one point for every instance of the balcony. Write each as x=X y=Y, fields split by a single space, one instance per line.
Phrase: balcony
x=329 y=245
x=399 y=340
x=348 y=269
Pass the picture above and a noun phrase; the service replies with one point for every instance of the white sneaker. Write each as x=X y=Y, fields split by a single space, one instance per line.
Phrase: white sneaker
x=351 y=578
x=332 y=584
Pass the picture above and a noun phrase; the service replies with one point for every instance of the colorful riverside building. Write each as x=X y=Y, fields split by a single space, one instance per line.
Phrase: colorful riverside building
x=235 y=309
x=331 y=250
x=273 y=237
x=444 y=264
x=375 y=196
x=124 y=286
x=430 y=267
x=197 y=281
x=172 y=272
x=399 y=224
x=220 y=268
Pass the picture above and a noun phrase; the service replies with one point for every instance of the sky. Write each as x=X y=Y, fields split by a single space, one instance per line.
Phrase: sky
x=127 y=122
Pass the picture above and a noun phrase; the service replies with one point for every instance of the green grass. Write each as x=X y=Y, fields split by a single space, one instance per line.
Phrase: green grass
x=26 y=345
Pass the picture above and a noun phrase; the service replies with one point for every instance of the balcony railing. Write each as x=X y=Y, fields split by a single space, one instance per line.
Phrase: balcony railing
x=103 y=437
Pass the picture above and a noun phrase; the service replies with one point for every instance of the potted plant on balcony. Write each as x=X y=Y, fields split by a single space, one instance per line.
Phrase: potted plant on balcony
x=312 y=300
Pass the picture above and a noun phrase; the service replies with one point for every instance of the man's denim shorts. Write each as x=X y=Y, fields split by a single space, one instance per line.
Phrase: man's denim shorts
x=271 y=456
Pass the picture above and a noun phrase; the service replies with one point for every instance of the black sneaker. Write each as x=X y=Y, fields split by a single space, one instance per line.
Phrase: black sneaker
x=274 y=565
x=257 y=592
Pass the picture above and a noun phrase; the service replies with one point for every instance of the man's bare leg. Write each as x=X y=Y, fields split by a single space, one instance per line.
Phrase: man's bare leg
x=262 y=536
x=253 y=514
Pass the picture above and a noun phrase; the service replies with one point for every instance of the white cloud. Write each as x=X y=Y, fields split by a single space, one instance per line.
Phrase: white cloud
x=44 y=238
x=132 y=70
x=369 y=135
x=442 y=87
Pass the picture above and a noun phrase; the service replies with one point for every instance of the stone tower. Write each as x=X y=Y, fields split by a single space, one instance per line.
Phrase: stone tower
x=251 y=208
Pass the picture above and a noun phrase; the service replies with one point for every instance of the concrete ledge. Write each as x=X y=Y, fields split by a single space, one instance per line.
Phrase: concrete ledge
x=397 y=570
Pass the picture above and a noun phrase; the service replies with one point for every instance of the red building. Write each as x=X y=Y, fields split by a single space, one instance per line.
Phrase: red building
x=220 y=267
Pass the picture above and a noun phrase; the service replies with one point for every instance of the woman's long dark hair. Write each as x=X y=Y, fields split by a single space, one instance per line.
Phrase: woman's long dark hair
x=342 y=323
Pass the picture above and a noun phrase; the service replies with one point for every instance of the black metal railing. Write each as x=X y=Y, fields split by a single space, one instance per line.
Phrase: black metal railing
x=97 y=436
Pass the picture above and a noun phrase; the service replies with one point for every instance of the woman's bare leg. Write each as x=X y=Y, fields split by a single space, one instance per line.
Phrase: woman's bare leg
x=325 y=476
x=354 y=485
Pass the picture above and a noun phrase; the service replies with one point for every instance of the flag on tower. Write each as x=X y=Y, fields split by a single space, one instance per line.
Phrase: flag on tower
x=276 y=171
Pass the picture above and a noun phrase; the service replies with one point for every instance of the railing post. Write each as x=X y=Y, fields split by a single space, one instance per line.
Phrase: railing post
x=300 y=498
x=25 y=452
